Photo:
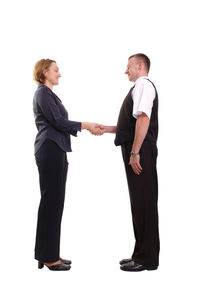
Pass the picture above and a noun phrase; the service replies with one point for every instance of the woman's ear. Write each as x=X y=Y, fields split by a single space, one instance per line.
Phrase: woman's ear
x=44 y=73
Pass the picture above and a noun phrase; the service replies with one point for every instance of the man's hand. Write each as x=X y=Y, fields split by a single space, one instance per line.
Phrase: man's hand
x=96 y=129
x=135 y=164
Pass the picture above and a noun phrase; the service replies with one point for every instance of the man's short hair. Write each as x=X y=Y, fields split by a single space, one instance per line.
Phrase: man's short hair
x=143 y=58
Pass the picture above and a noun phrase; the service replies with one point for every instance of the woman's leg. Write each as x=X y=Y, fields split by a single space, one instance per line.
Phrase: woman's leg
x=52 y=166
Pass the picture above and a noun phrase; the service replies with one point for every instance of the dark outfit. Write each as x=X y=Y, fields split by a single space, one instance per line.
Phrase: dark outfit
x=143 y=188
x=51 y=144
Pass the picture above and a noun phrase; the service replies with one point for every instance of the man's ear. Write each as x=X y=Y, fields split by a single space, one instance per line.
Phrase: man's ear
x=140 y=65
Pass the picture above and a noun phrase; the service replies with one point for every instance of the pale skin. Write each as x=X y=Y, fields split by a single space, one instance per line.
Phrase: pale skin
x=52 y=75
x=135 y=69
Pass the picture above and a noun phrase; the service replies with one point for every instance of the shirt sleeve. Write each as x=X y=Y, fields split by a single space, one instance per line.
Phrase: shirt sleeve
x=52 y=113
x=143 y=95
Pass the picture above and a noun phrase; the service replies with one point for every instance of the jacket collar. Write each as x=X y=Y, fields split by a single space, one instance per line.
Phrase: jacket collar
x=41 y=85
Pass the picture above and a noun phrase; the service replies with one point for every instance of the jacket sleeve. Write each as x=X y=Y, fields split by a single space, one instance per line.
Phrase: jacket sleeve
x=52 y=113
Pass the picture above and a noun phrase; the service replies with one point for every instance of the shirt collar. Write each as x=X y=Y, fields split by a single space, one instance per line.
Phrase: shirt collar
x=141 y=77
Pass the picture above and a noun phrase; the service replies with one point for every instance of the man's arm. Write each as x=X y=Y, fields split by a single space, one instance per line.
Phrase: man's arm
x=142 y=125
x=109 y=129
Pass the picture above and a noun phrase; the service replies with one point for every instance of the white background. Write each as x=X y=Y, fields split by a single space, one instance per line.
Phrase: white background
x=91 y=41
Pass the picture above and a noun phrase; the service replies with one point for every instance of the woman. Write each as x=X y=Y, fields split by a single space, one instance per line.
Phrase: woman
x=51 y=144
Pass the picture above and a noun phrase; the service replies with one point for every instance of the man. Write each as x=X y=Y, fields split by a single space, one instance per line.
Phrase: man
x=136 y=132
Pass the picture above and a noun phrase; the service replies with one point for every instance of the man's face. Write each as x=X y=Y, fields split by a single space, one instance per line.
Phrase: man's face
x=133 y=68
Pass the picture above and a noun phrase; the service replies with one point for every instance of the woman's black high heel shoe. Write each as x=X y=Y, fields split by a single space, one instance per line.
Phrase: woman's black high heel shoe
x=40 y=265
x=65 y=261
x=60 y=267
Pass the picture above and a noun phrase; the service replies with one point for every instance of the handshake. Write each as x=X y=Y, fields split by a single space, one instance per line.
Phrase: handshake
x=98 y=129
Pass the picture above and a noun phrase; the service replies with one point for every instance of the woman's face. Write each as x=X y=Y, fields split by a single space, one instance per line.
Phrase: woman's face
x=52 y=75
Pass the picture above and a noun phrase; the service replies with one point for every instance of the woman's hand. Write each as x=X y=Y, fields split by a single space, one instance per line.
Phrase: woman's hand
x=94 y=128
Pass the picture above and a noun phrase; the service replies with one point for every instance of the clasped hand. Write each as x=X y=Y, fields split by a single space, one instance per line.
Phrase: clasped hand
x=96 y=129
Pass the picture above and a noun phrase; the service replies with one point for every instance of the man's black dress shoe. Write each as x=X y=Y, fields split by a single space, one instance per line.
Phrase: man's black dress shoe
x=125 y=261
x=65 y=261
x=60 y=267
x=135 y=267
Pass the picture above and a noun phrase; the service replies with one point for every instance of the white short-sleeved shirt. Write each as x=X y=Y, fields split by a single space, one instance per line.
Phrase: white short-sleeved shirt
x=143 y=95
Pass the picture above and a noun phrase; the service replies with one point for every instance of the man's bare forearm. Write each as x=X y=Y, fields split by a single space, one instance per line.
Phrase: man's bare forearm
x=110 y=129
x=142 y=125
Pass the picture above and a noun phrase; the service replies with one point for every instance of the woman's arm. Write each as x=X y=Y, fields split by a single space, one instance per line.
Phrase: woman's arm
x=52 y=113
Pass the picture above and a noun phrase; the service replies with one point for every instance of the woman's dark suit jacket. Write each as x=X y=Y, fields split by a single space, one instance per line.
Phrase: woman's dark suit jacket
x=51 y=119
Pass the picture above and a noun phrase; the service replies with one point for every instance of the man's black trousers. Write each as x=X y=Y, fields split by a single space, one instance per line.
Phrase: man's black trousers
x=52 y=166
x=143 y=190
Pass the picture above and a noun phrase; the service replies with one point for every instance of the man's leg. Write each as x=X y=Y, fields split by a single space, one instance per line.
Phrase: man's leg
x=143 y=190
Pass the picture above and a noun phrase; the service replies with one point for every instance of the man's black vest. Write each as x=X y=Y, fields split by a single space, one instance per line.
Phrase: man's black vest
x=125 y=130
